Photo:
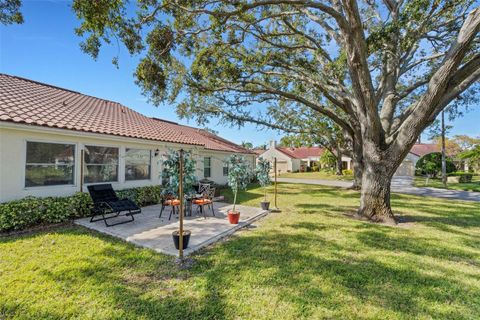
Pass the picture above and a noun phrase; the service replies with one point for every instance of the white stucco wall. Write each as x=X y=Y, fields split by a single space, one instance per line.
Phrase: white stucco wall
x=284 y=162
x=13 y=140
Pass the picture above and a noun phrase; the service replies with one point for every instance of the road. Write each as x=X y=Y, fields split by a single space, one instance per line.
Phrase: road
x=399 y=185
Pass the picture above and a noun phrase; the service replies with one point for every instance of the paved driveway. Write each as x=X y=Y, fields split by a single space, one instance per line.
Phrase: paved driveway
x=399 y=185
x=323 y=182
x=405 y=185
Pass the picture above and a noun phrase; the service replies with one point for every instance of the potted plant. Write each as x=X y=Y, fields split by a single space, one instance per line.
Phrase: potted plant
x=238 y=178
x=262 y=171
x=176 y=238
x=171 y=174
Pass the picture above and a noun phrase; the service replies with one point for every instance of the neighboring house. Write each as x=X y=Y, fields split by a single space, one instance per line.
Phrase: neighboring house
x=294 y=159
x=290 y=159
x=407 y=167
x=45 y=130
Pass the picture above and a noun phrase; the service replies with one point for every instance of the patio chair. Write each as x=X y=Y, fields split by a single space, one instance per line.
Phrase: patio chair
x=169 y=201
x=203 y=188
x=107 y=205
x=207 y=200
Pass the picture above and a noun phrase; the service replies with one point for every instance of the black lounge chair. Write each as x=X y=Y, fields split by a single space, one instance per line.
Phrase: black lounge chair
x=107 y=205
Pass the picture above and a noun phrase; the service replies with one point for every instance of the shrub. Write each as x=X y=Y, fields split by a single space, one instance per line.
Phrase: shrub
x=315 y=168
x=30 y=211
x=432 y=164
x=464 y=177
x=328 y=159
x=347 y=172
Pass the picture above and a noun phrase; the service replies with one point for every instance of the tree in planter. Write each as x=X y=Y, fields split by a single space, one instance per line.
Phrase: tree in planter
x=171 y=172
x=238 y=175
x=382 y=70
x=262 y=171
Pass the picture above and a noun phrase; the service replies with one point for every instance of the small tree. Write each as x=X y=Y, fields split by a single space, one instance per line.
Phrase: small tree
x=327 y=159
x=238 y=175
x=431 y=164
x=472 y=154
x=263 y=174
x=171 y=172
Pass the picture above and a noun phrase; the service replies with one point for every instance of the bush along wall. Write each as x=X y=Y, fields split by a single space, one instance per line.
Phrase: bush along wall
x=464 y=177
x=30 y=211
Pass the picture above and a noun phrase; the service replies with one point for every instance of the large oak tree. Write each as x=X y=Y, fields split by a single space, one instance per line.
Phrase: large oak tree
x=381 y=70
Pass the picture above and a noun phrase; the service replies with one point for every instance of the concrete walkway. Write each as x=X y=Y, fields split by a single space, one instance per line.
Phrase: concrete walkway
x=399 y=185
x=149 y=231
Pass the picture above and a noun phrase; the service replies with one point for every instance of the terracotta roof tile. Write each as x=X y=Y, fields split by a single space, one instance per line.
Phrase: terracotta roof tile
x=421 y=149
x=302 y=152
x=31 y=102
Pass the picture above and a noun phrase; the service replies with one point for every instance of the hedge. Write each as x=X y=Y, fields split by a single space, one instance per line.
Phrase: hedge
x=464 y=177
x=30 y=211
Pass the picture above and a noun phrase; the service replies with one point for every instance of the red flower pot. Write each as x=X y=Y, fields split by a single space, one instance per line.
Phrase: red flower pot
x=233 y=217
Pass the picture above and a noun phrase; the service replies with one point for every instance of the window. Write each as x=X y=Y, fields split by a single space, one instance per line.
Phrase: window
x=137 y=164
x=49 y=164
x=207 y=169
x=225 y=169
x=101 y=164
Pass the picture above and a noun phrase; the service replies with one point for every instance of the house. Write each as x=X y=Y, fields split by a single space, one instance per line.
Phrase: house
x=55 y=141
x=295 y=159
x=291 y=159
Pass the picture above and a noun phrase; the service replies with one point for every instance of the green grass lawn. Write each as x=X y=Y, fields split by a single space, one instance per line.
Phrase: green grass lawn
x=437 y=183
x=316 y=175
x=307 y=262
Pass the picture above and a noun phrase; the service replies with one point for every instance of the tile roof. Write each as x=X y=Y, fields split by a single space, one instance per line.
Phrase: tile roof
x=30 y=102
x=302 y=152
x=259 y=151
x=421 y=149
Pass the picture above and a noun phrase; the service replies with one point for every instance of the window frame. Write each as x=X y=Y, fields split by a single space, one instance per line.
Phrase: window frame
x=225 y=166
x=23 y=176
x=119 y=158
x=150 y=171
x=209 y=167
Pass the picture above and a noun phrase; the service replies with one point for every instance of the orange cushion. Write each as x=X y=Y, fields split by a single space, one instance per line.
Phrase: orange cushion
x=174 y=202
x=202 y=201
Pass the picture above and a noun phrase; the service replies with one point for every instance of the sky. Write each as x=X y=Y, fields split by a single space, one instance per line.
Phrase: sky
x=45 y=48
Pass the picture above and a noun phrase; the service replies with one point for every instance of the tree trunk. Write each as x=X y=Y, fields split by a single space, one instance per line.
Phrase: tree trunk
x=357 y=173
x=339 y=162
x=357 y=159
x=444 y=157
x=375 y=195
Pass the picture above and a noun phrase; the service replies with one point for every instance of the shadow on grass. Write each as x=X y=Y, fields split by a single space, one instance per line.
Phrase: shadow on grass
x=117 y=281
x=307 y=271
x=386 y=239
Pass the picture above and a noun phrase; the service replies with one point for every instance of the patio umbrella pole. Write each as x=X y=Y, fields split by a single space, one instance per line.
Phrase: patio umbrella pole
x=275 y=209
x=180 y=195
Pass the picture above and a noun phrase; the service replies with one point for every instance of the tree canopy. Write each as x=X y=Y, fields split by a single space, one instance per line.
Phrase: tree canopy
x=382 y=70
x=10 y=12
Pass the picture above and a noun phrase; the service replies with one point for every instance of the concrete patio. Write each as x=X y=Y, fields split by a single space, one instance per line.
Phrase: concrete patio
x=151 y=232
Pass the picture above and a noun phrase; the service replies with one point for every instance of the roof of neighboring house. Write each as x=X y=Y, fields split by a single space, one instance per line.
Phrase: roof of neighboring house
x=421 y=149
x=30 y=102
x=259 y=151
x=302 y=152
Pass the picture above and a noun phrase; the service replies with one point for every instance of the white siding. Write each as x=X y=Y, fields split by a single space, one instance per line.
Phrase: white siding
x=283 y=161
x=13 y=152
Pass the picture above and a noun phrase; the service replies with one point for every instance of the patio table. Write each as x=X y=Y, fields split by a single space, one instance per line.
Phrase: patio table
x=189 y=203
